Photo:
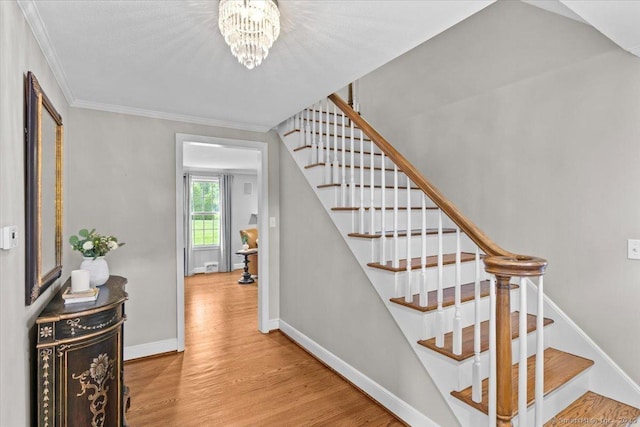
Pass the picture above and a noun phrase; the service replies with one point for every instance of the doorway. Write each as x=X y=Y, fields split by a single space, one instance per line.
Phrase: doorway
x=251 y=148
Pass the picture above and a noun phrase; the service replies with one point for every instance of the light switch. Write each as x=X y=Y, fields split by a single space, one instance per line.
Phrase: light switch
x=9 y=237
x=272 y=222
x=633 y=249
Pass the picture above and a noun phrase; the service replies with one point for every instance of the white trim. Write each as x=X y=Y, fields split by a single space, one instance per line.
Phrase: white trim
x=384 y=397
x=238 y=266
x=263 y=216
x=31 y=14
x=149 y=349
x=273 y=324
x=120 y=109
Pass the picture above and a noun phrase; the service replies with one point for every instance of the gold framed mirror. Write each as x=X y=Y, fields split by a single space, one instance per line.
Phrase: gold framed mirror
x=43 y=198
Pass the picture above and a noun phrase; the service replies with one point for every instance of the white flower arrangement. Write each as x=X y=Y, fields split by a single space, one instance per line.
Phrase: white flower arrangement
x=92 y=244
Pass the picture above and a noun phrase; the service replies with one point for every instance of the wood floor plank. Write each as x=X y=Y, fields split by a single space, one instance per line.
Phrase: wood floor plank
x=468 y=334
x=559 y=368
x=232 y=375
x=594 y=409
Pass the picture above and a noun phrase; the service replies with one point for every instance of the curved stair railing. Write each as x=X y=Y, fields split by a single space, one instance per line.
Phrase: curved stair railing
x=338 y=145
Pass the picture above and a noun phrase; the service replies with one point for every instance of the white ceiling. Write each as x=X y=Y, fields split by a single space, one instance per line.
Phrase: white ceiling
x=167 y=59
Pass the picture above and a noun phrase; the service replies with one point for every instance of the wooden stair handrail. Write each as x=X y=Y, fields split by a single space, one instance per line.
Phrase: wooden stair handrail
x=469 y=228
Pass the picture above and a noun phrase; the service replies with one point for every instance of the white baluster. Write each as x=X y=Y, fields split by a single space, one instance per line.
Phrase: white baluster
x=383 y=227
x=314 y=144
x=493 y=384
x=539 y=354
x=408 y=295
x=476 y=380
x=522 y=367
x=423 y=255
x=343 y=187
x=457 y=318
x=440 y=312
x=336 y=164
x=305 y=140
x=372 y=181
x=327 y=160
x=361 y=230
x=396 y=255
x=352 y=183
x=320 y=135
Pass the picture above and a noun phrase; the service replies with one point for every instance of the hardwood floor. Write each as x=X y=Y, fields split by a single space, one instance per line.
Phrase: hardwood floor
x=232 y=375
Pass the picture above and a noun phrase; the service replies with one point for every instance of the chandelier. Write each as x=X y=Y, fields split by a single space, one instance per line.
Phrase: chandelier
x=249 y=27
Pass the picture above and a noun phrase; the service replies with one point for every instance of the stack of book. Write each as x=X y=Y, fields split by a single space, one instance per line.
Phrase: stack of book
x=84 y=296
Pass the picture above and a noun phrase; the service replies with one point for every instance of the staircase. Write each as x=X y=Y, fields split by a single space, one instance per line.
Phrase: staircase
x=474 y=313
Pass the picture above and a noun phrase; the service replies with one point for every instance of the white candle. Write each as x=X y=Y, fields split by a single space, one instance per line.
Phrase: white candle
x=79 y=280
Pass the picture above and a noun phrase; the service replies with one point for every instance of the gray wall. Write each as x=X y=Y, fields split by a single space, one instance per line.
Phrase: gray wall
x=121 y=180
x=19 y=53
x=528 y=121
x=326 y=295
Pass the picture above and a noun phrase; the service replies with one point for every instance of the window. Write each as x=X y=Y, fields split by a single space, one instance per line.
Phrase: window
x=205 y=212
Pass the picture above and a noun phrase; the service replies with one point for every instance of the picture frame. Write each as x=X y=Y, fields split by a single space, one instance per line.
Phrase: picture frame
x=43 y=192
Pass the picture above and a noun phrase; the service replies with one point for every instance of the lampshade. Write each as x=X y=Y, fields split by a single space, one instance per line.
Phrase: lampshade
x=249 y=27
x=253 y=219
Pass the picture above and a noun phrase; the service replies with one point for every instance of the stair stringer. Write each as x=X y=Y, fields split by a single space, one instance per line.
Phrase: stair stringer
x=450 y=375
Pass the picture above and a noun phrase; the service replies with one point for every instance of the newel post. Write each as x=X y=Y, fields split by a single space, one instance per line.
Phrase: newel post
x=504 y=268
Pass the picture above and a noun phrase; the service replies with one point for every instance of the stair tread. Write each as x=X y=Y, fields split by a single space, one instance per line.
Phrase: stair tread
x=401 y=233
x=389 y=187
x=366 y=153
x=596 y=409
x=559 y=368
x=332 y=135
x=432 y=261
x=389 y=208
x=467 y=292
x=313 y=165
x=468 y=334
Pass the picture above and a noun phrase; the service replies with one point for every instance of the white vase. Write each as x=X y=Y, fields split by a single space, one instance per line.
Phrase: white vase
x=98 y=270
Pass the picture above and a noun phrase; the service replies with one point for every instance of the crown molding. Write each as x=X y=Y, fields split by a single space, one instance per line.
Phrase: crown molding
x=168 y=116
x=32 y=15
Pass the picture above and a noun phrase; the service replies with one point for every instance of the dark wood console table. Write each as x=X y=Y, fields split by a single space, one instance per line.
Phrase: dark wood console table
x=79 y=360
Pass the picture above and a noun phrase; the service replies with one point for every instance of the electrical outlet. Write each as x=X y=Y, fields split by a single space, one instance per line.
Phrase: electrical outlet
x=9 y=237
x=633 y=249
x=272 y=222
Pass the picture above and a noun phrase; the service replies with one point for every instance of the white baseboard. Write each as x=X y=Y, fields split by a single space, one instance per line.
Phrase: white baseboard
x=273 y=324
x=393 y=403
x=149 y=349
x=239 y=266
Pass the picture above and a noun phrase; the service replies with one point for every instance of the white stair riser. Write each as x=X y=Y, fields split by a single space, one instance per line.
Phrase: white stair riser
x=374 y=245
x=416 y=218
x=324 y=155
x=416 y=196
x=465 y=367
x=448 y=242
x=398 y=280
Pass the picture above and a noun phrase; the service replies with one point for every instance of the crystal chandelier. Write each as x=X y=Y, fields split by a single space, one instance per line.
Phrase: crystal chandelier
x=249 y=27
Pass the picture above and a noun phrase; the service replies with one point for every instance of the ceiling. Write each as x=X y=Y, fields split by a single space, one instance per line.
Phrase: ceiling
x=167 y=59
